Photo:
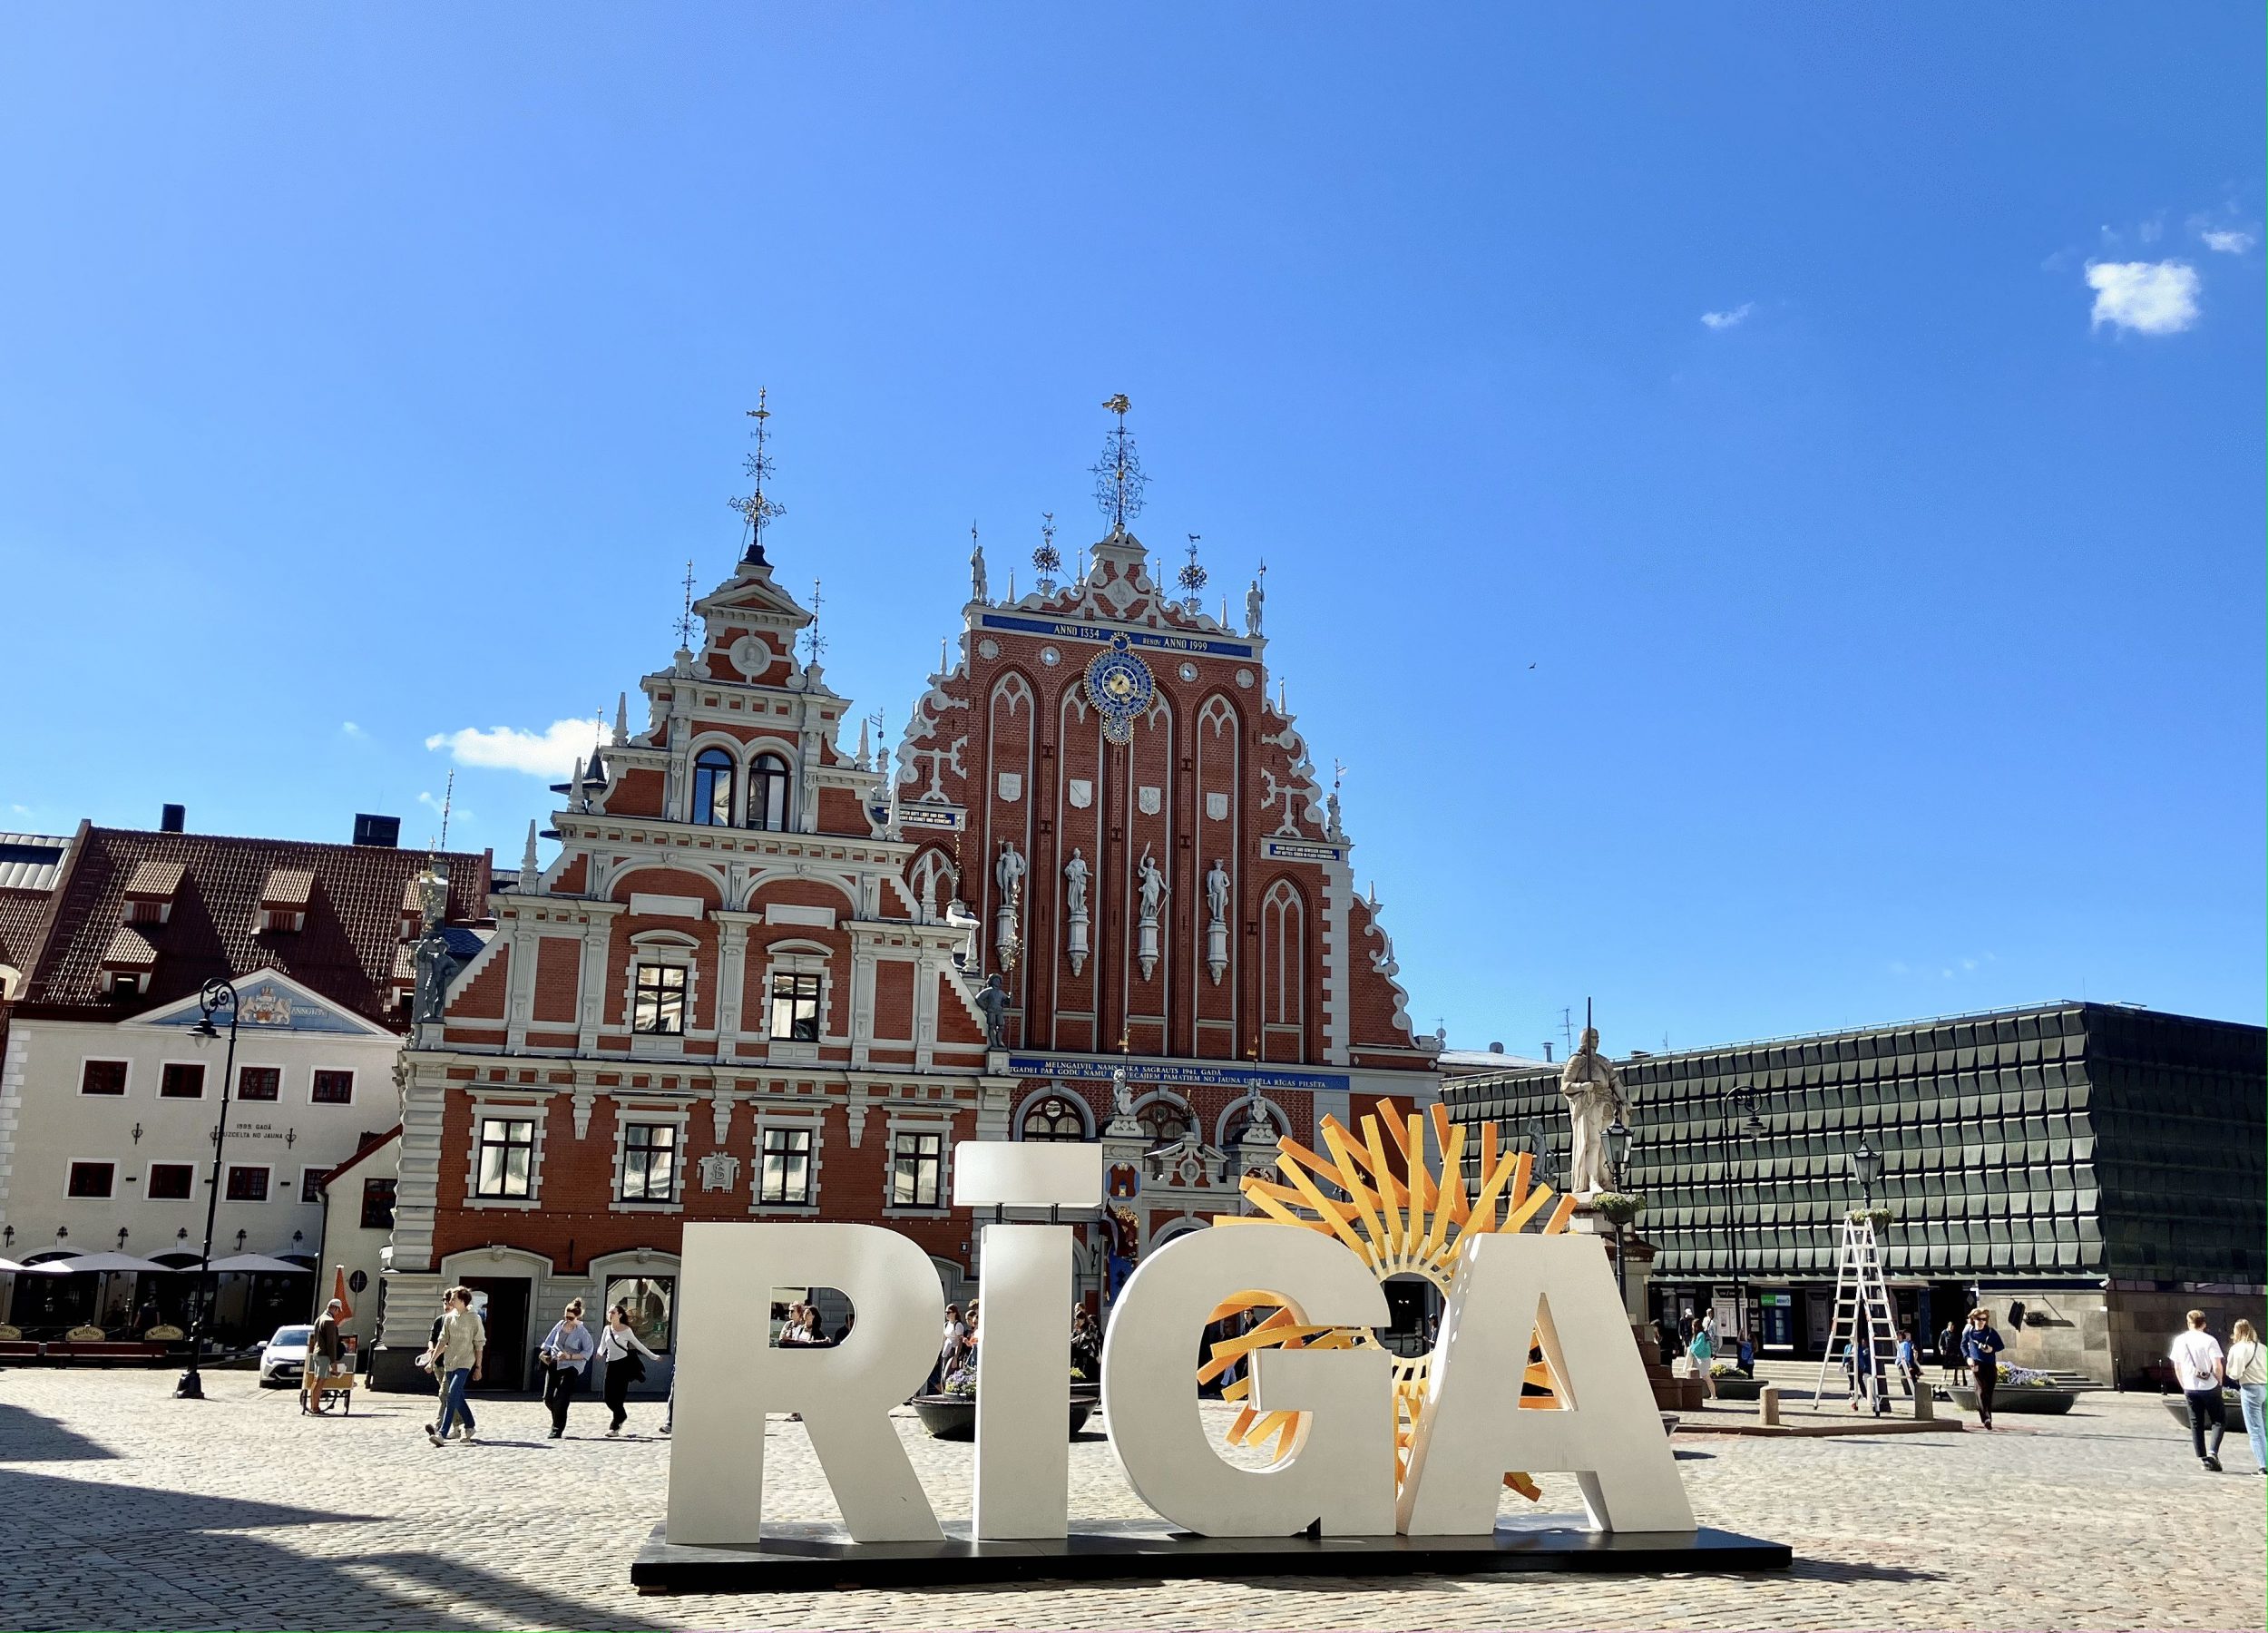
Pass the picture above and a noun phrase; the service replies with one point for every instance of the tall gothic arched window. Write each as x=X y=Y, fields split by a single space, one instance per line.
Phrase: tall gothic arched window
x=1054 y=1118
x=713 y=788
x=767 y=793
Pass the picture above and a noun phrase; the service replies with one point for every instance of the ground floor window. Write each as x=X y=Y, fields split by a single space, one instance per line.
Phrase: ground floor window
x=785 y=1181
x=916 y=1170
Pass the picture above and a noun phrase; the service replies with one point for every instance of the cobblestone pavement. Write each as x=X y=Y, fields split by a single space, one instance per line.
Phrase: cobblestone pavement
x=122 y=1508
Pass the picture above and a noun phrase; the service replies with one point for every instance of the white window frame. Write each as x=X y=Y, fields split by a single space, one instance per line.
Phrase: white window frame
x=797 y=957
x=353 y=1082
x=668 y=948
x=303 y=1199
x=1191 y=1122
x=109 y=1162
x=1054 y=1090
x=938 y=1122
x=678 y=1116
x=236 y=1088
x=158 y=1093
x=499 y=1105
x=153 y=1165
x=812 y=1122
x=125 y=1093
x=228 y=1169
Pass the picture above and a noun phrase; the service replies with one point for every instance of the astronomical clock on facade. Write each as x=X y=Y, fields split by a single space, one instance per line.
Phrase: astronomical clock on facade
x=1097 y=893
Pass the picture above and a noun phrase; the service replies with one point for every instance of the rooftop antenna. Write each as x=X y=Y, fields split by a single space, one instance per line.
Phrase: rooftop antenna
x=448 y=793
x=817 y=641
x=1567 y=1024
x=1047 y=560
x=1118 y=479
x=1192 y=578
x=755 y=507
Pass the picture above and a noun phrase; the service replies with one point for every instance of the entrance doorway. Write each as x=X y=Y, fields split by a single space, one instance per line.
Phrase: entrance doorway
x=502 y=1304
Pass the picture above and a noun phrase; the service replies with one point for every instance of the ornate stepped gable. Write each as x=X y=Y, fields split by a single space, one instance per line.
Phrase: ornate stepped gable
x=728 y=845
x=1183 y=891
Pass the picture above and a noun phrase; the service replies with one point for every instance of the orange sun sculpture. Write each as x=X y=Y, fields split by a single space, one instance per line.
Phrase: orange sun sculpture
x=1401 y=1218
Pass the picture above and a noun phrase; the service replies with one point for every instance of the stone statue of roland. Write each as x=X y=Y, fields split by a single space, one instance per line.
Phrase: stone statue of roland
x=1595 y=1100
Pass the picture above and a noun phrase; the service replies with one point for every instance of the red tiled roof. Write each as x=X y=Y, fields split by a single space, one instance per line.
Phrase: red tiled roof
x=287 y=887
x=20 y=913
x=344 y=951
x=370 y=1143
x=155 y=876
x=129 y=949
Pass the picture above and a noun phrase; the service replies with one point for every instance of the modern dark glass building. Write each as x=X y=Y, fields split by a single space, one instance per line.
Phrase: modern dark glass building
x=2099 y=1165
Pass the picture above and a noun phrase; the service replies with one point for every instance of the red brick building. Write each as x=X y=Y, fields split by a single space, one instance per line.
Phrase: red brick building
x=751 y=983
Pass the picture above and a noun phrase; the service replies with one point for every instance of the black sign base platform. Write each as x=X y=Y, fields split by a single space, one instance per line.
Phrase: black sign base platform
x=803 y=1558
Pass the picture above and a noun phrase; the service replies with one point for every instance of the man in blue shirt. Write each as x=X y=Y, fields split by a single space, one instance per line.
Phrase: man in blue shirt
x=1981 y=1347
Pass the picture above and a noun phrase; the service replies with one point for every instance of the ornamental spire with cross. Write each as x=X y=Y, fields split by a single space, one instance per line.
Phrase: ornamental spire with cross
x=1047 y=560
x=1192 y=579
x=1118 y=479
x=812 y=638
x=754 y=507
x=685 y=618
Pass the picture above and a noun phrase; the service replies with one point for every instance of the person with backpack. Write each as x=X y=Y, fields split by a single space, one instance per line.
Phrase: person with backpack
x=623 y=1359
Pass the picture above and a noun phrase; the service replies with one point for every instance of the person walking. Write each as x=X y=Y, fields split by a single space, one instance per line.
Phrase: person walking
x=2246 y=1367
x=2198 y=1368
x=567 y=1350
x=1981 y=1347
x=463 y=1341
x=323 y=1352
x=1949 y=1355
x=1909 y=1364
x=1702 y=1351
x=624 y=1358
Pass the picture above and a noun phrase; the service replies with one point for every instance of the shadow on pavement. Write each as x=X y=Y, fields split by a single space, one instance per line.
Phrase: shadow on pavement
x=1831 y=1570
x=81 y=1554
x=26 y=1436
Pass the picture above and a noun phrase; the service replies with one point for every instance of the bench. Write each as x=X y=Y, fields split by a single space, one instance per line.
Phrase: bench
x=146 y=1351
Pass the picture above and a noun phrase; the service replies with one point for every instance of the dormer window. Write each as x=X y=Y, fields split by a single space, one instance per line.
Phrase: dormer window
x=284 y=898
x=126 y=964
x=767 y=794
x=149 y=892
x=713 y=788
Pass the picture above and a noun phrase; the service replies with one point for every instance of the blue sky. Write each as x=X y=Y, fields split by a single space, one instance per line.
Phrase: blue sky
x=1855 y=419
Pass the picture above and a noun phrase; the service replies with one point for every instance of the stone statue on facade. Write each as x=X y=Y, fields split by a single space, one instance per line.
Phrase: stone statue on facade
x=436 y=967
x=1253 y=597
x=977 y=585
x=1217 y=888
x=1217 y=883
x=993 y=1000
x=1153 y=885
x=1008 y=871
x=1595 y=1100
x=1075 y=884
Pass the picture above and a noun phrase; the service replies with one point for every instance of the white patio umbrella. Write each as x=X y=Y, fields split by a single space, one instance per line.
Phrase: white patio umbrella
x=95 y=1262
x=253 y=1264
x=8 y=1266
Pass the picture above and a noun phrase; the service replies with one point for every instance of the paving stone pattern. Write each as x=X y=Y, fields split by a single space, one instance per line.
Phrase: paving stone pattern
x=124 y=1508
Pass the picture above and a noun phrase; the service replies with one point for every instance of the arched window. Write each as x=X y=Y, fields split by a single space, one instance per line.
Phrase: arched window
x=1054 y=1118
x=1163 y=1121
x=767 y=793
x=713 y=788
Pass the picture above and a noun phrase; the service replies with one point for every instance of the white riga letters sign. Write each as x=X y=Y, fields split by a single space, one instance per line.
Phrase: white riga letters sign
x=1338 y=1472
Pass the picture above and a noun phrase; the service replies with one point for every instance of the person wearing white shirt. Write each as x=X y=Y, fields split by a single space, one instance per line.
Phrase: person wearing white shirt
x=2197 y=1367
x=2247 y=1368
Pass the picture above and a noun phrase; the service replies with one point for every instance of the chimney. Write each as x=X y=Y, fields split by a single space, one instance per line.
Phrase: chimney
x=1547 y=1052
x=384 y=832
x=1496 y=1048
x=170 y=818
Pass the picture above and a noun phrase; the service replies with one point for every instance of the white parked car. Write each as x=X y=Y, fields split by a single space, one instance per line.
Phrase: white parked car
x=284 y=1356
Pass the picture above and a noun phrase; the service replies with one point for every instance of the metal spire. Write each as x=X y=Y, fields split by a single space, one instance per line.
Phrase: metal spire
x=755 y=508
x=1047 y=560
x=1118 y=479
x=817 y=641
x=685 y=618
x=1192 y=578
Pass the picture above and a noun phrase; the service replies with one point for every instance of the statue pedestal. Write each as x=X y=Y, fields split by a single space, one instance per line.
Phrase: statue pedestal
x=1671 y=1393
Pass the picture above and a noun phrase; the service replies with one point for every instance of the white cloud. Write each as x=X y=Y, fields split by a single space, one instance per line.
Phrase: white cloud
x=2228 y=241
x=549 y=753
x=1731 y=319
x=347 y=729
x=2152 y=298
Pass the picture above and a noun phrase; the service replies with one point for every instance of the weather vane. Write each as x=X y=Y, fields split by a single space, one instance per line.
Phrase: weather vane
x=1192 y=578
x=685 y=618
x=1118 y=479
x=755 y=507
x=1047 y=559
x=812 y=638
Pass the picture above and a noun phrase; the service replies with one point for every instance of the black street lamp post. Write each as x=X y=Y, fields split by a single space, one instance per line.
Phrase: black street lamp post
x=1744 y=1102
x=1866 y=1162
x=1617 y=1155
x=217 y=996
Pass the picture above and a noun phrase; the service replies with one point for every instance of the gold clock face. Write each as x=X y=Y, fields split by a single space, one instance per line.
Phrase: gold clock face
x=1120 y=685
